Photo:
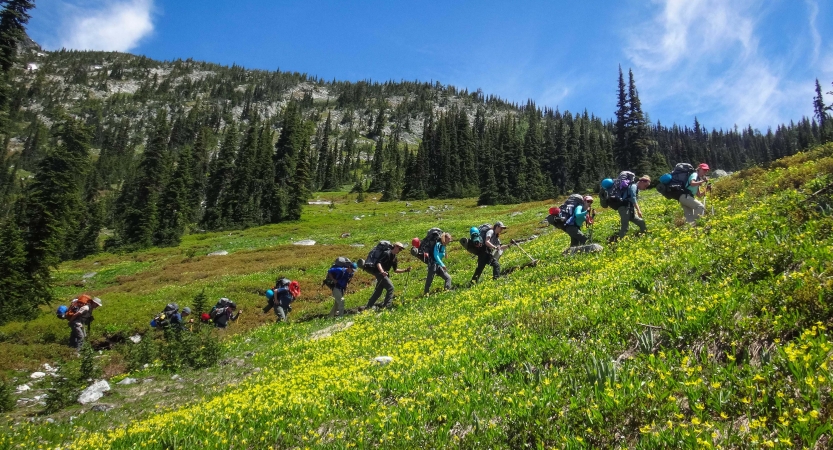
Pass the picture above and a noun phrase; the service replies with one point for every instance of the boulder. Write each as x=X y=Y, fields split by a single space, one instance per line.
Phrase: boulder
x=23 y=388
x=128 y=380
x=218 y=253
x=590 y=248
x=37 y=375
x=89 y=275
x=103 y=407
x=304 y=242
x=383 y=360
x=135 y=338
x=94 y=392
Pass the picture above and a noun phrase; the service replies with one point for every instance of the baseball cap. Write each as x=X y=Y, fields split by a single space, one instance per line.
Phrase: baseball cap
x=588 y=198
x=645 y=178
x=703 y=166
x=354 y=266
x=399 y=244
x=500 y=224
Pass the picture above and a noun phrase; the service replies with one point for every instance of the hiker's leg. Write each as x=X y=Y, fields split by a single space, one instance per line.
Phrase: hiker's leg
x=495 y=268
x=387 y=284
x=74 y=336
x=576 y=236
x=79 y=335
x=269 y=305
x=445 y=276
x=280 y=313
x=639 y=222
x=338 y=304
x=482 y=261
x=377 y=292
x=691 y=207
x=624 y=219
x=429 y=279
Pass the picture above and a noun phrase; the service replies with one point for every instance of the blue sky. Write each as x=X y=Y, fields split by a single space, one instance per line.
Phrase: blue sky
x=726 y=62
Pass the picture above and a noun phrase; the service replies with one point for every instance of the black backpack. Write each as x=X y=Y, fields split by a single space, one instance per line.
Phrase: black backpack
x=484 y=230
x=375 y=255
x=221 y=307
x=678 y=186
x=163 y=319
x=426 y=246
x=616 y=196
x=568 y=208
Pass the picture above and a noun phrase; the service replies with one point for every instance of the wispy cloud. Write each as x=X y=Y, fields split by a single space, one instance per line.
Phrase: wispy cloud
x=704 y=57
x=106 y=25
x=813 y=6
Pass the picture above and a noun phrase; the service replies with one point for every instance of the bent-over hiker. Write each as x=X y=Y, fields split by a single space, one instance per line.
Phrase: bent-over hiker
x=692 y=208
x=223 y=312
x=573 y=224
x=436 y=265
x=630 y=211
x=340 y=277
x=385 y=263
x=80 y=315
x=490 y=252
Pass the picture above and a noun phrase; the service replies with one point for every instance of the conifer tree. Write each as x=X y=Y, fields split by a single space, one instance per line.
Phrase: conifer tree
x=17 y=293
x=377 y=181
x=141 y=218
x=323 y=155
x=288 y=151
x=219 y=182
x=821 y=113
x=621 y=148
x=299 y=192
x=198 y=175
x=243 y=178
x=173 y=203
x=13 y=20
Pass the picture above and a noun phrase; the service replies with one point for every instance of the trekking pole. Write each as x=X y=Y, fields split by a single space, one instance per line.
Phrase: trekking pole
x=532 y=260
x=407 y=282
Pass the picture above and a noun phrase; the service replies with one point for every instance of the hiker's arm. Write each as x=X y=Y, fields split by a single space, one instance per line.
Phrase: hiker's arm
x=437 y=255
x=402 y=270
x=637 y=208
x=380 y=269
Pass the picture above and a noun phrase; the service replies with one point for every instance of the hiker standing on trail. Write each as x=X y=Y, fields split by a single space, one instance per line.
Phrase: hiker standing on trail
x=385 y=263
x=436 y=266
x=692 y=208
x=79 y=315
x=573 y=224
x=490 y=253
x=340 y=277
x=630 y=211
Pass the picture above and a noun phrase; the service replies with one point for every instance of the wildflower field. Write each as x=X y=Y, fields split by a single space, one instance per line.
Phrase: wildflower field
x=713 y=336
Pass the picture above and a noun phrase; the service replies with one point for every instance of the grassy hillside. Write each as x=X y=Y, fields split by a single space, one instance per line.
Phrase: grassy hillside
x=690 y=337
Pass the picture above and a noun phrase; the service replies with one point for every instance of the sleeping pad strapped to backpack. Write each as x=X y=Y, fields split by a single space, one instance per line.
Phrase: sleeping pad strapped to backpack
x=566 y=211
x=677 y=181
x=616 y=195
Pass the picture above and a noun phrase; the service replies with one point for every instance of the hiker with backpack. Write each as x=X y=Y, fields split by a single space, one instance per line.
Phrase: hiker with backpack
x=629 y=210
x=436 y=265
x=79 y=314
x=223 y=312
x=571 y=215
x=379 y=262
x=338 y=277
x=170 y=317
x=692 y=208
x=281 y=296
x=490 y=252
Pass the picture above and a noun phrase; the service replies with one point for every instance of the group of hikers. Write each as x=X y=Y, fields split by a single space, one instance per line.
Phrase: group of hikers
x=684 y=184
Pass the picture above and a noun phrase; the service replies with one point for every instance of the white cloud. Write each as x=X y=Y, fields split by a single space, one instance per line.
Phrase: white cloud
x=814 y=31
x=108 y=25
x=703 y=56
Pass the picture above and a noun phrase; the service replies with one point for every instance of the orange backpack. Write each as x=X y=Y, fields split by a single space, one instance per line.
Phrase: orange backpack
x=76 y=304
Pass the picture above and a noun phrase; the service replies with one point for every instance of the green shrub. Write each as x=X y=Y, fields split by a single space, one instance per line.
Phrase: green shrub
x=65 y=389
x=7 y=401
x=89 y=369
x=145 y=352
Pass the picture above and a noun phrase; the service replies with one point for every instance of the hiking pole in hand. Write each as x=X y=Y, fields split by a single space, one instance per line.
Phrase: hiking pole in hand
x=407 y=282
x=533 y=261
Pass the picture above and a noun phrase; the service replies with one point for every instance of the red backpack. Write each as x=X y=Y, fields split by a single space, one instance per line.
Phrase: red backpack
x=295 y=289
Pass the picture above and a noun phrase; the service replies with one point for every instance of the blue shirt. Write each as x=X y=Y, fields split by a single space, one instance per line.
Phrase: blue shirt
x=632 y=193
x=579 y=215
x=439 y=253
x=692 y=189
x=341 y=275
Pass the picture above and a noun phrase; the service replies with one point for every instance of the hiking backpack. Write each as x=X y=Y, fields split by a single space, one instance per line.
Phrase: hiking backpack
x=163 y=319
x=221 y=307
x=426 y=246
x=375 y=255
x=677 y=181
x=342 y=261
x=616 y=195
x=76 y=304
x=566 y=211
x=475 y=237
x=484 y=230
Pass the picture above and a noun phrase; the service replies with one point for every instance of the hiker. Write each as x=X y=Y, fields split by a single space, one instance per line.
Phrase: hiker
x=436 y=265
x=281 y=296
x=223 y=312
x=490 y=252
x=78 y=315
x=170 y=317
x=692 y=208
x=385 y=262
x=572 y=225
x=630 y=210
x=339 y=279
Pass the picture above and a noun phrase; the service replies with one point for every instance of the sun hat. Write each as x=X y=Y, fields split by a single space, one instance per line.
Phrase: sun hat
x=399 y=244
x=97 y=301
x=645 y=178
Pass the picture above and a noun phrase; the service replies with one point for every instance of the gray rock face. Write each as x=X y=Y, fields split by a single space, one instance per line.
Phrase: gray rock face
x=591 y=248
x=94 y=392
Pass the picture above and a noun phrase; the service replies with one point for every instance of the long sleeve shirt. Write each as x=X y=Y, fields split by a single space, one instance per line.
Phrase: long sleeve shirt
x=439 y=254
